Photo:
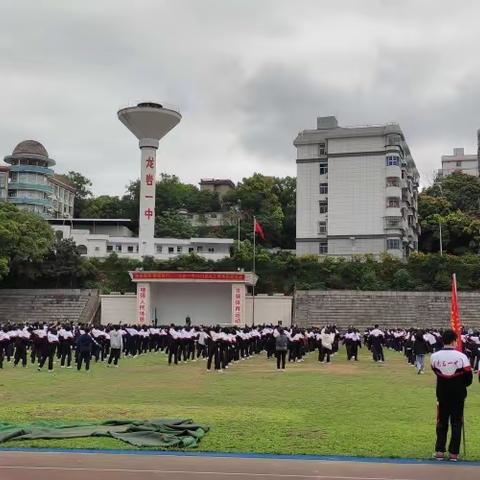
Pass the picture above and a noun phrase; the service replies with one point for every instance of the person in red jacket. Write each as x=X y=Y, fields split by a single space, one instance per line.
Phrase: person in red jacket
x=454 y=375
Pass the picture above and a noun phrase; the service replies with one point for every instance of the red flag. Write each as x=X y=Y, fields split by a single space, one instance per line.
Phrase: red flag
x=455 y=315
x=258 y=229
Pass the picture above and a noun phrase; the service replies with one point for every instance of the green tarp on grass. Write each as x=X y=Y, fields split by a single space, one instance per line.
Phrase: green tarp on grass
x=147 y=433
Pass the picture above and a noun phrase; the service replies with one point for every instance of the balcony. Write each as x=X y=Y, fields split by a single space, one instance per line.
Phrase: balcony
x=31 y=169
x=38 y=187
x=394 y=223
x=393 y=171
x=393 y=211
x=46 y=202
x=393 y=192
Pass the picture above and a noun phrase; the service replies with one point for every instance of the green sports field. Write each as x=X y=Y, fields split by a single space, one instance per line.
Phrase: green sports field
x=345 y=408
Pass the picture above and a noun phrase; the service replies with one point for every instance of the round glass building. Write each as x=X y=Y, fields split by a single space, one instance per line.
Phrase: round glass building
x=30 y=170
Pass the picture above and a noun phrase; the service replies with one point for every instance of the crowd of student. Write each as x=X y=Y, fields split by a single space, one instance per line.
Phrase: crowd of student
x=219 y=346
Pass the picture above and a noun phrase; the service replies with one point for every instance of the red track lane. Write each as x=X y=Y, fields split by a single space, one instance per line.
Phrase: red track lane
x=81 y=466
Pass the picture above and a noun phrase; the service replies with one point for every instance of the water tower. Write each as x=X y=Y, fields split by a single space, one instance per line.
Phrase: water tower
x=149 y=122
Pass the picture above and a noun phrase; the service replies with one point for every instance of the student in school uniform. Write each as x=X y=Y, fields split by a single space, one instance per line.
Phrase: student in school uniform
x=51 y=348
x=202 y=343
x=215 y=350
x=65 y=337
x=173 y=344
x=22 y=340
x=377 y=339
x=4 y=341
x=327 y=337
x=454 y=375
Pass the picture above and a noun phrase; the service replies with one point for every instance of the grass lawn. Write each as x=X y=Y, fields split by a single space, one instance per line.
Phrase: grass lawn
x=344 y=408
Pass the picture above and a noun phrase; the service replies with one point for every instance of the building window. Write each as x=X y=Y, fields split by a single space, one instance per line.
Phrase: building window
x=159 y=249
x=109 y=248
x=118 y=248
x=393 y=244
x=171 y=250
x=324 y=188
x=393 y=203
x=393 y=160
x=211 y=250
x=199 y=249
x=97 y=249
x=323 y=206
x=323 y=248
x=322 y=149
x=191 y=250
x=323 y=168
x=179 y=249
x=322 y=227
x=82 y=249
x=213 y=215
x=130 y=248
x=459 y=164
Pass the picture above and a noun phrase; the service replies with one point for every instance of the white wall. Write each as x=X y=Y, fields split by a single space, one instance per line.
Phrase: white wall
x=345 y=246
x=356 y=144
x=269 y=309
x=356 y=195
x=118 y=309
x=307 y=248
x=308 y=196
x=207 y=304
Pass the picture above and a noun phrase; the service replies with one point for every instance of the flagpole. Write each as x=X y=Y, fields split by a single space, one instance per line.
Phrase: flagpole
x=254 y=254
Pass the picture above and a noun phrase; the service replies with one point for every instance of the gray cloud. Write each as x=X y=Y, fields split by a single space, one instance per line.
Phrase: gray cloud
x=247 y=75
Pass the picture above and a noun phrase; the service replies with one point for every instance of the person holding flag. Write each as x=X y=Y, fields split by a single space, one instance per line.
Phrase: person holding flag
x=454 y=375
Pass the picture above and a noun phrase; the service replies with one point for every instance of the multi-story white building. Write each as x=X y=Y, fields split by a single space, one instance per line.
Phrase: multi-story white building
x=460 y=162
x=63 y=196
x=357 y=191
x=101 y=237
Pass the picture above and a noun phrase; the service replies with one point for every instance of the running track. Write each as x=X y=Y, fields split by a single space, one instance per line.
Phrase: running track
x=21 y=465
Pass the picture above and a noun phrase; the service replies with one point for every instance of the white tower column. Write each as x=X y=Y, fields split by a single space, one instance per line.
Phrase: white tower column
x=146 y=230
x=149 y=122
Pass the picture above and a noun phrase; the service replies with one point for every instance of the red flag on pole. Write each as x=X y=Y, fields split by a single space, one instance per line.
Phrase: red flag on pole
x=455 y=315
x=258 y=229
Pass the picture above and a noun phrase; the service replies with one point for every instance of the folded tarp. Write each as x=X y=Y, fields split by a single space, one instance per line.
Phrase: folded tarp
x=147 y=433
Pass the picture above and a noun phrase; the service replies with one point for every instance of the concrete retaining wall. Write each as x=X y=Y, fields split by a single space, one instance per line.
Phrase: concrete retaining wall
x=389 y=309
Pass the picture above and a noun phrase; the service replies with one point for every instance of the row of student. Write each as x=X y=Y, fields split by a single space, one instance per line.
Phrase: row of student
x=44 y=344
x=220 y=346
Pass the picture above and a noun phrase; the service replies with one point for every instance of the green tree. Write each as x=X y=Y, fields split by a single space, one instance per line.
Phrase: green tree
x=258 y=196
x=171 y=224
x=65 y=267
x=82 y=191
x=105 y=206
x=25 y=238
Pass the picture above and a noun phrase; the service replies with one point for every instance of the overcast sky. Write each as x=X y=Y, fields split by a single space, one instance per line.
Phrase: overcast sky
x=247 y=76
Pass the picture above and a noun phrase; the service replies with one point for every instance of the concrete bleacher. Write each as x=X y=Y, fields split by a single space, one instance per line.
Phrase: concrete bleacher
x=389 y=309
x=52 y=305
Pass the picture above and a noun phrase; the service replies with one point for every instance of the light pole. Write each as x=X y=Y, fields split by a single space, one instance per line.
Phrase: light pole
x=238 y=209
x=440 y=224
